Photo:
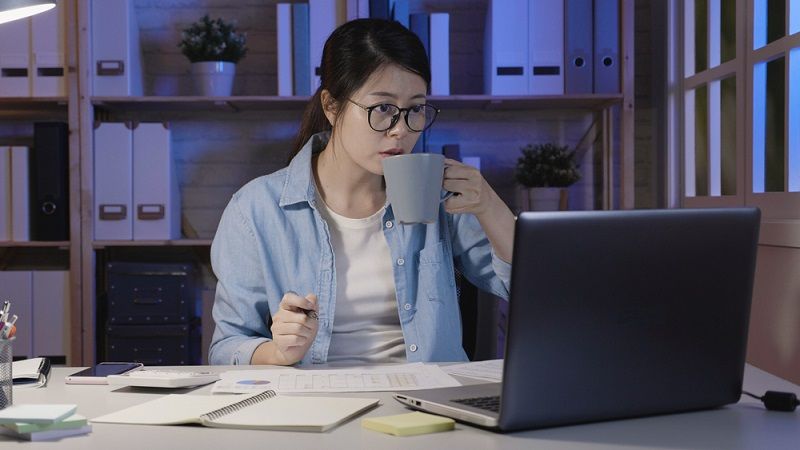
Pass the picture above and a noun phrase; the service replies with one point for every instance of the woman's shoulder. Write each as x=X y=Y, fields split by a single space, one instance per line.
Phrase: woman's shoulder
x=261 y=191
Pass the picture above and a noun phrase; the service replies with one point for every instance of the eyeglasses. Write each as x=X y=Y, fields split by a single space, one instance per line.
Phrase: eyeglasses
x=384 y=116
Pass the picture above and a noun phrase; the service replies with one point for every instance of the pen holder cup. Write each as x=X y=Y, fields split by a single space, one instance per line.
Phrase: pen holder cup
x=6 y=378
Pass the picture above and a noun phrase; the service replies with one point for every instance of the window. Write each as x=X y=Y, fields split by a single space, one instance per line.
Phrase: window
x=738 y=103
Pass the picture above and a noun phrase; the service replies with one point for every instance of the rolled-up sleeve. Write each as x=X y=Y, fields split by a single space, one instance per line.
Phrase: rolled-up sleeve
x=240 y=303
x=475 y=258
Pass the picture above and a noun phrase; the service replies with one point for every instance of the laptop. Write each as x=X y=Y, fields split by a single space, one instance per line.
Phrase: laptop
x=617 y=314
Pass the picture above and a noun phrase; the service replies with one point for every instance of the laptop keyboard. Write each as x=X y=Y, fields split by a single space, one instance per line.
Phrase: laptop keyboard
x=487 y=403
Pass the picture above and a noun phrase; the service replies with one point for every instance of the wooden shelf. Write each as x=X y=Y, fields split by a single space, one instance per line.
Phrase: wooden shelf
x=526 y=102
x=33 y=108
x=155 y=243
x=199 y=104
x=274 y=103
x=35 y=244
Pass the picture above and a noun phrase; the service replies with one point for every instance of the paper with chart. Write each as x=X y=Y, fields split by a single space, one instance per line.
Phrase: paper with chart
x=401 y=377
x=491 y=370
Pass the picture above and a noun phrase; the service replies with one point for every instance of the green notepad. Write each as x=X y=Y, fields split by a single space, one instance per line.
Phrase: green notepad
x=74 y=421
x=409 y=424
x=37 y=413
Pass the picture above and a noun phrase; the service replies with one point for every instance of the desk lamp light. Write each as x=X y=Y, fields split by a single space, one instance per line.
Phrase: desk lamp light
x=18 y=9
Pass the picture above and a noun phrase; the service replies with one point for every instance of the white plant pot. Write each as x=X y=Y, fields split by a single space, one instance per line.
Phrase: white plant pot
x=213 y=78
x=543 y=199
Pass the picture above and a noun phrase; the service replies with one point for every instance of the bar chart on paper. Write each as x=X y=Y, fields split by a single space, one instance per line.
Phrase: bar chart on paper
x=402 y=377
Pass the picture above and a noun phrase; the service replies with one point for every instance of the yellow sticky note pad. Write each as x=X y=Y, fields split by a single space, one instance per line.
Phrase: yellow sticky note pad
x=409 y=424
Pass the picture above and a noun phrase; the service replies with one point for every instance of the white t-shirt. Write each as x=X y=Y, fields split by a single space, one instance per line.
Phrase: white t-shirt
x=366 y=323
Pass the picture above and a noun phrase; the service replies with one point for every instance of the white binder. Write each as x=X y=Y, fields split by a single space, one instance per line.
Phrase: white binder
x=363 y=9
x=116 y=57
x=5 y=194
x=321 y=23
x=17 y=288
x=15 y=52
x=399 y=10
x=20 y=195
x=505 y=48
x=156 y=199
x=606 y=46
x=50 y=295
x=113 y=182
x=284 y=41
x=546 y=47
x=352 y=9
x=48 y=55
x=440 y=53
x=578 y=47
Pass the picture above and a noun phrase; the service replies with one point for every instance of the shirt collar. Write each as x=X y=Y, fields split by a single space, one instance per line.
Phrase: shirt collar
x=299 y=185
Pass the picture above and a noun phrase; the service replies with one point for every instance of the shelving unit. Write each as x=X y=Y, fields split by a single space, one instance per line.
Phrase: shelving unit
x=34 y=244
x=81 y=110
x=19 y=113
x=167 y=243
x=17 y=107
x=164 y=104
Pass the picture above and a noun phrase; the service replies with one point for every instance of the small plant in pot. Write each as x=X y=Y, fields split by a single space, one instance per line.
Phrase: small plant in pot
x=213 y=46
x=545 y=171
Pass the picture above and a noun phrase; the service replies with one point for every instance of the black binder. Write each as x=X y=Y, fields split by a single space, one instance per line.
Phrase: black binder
x=49 y=182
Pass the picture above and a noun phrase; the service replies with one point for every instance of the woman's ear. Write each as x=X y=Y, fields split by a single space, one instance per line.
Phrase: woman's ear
x=329 y=106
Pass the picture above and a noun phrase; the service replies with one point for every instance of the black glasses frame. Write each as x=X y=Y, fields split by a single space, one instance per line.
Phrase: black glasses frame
x=396 y=117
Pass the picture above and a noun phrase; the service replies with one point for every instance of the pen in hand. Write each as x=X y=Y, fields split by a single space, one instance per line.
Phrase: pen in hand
x=310 y=313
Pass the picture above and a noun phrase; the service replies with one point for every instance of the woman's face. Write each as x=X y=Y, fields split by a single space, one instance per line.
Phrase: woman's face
x=365 y=146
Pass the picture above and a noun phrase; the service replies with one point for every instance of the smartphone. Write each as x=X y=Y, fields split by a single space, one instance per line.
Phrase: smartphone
x=98 y=373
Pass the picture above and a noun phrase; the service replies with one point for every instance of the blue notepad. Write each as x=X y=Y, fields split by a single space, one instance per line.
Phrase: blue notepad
x=37 y=413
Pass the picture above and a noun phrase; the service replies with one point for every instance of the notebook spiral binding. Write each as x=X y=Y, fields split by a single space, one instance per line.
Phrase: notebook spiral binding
x=214 y=415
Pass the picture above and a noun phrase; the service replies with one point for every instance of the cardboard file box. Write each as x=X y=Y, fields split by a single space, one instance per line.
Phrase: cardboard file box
x=117 y=59
x=15 y=55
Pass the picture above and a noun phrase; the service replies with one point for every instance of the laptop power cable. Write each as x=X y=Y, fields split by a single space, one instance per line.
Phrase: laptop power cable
x=777 y=401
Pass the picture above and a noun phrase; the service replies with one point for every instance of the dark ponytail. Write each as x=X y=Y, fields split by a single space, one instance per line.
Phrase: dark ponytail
x=314 y=121
x=352 y=53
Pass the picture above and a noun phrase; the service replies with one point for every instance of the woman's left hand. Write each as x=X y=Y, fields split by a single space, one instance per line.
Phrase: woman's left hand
x=472 y=193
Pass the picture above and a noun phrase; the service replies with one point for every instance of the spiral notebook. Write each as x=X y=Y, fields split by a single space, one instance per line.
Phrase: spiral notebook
x=262 y=411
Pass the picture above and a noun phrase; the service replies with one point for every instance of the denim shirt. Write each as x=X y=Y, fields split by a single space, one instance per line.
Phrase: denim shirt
x=271 y=239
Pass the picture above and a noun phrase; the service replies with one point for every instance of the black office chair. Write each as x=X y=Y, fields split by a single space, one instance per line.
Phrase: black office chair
x=478 y=321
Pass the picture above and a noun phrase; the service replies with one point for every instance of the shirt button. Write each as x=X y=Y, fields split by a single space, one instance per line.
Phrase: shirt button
x=400 y=261
x=389 y=224
x=407 y=306
x=413 y=347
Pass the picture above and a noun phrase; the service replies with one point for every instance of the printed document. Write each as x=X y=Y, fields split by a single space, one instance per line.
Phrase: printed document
x=401 y=377
x=491 y=370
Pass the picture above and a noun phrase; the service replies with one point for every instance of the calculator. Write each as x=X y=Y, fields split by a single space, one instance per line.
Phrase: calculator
x=162 y=378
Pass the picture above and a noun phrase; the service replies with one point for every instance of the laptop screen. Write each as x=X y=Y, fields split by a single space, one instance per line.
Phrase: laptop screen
x=619 y=314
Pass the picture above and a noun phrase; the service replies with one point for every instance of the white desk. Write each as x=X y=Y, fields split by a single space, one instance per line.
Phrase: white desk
x=746 y=425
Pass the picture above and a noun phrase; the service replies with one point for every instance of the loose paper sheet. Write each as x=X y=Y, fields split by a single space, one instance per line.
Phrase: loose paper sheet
x=491 y=370
x=402 y=377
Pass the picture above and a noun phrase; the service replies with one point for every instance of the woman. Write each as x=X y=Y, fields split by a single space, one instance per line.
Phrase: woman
x=311 y=265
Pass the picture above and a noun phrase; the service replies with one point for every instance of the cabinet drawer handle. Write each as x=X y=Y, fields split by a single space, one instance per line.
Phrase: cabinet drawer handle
x=113 y=212
x=150 y=212
x=110 y=68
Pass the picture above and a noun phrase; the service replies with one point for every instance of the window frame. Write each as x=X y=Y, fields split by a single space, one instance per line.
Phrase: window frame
x=778 y=206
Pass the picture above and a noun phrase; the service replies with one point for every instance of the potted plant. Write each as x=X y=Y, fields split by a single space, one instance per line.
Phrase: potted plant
x=213 y=47
x=545 y=171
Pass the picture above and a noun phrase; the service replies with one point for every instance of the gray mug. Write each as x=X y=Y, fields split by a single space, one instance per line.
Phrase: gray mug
x=414 y=186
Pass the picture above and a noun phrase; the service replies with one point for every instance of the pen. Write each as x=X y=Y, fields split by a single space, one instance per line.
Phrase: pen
x=310 y=313
x=10 y=327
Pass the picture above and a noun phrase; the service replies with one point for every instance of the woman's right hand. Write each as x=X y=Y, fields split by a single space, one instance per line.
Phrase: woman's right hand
x=293 y=329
